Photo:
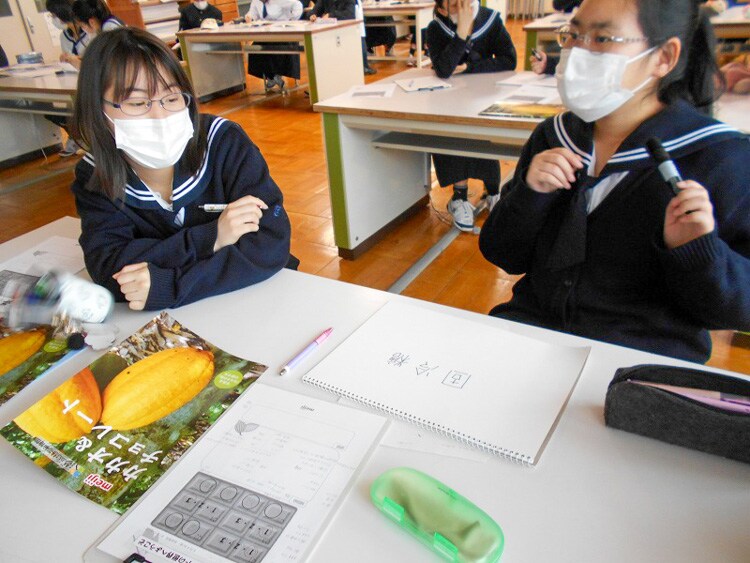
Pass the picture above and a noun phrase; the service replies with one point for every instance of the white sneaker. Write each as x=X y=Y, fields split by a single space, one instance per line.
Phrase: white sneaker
x=463 y=214
x=70 y=148
x=411 y=61
x=490 y=201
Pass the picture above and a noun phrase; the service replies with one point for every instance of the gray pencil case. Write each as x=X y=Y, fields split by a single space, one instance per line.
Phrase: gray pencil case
x=679 y=420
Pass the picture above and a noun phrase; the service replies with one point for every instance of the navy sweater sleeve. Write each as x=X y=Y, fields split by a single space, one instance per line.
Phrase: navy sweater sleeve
x=183 y=266
x=446 y=52
x=509 y=233
x=709 y=277
x=492 y=52
x=501 y=55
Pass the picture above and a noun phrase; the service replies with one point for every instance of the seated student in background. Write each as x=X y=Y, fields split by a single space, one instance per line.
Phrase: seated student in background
x=192 y=15
x=153 y=162
x=609 y=251
x=93 y=17
x=73 y=42
x=273 y=68
x=377 y=36
x=3 y=57
x=566 y=5
x=344 y=10
x=466 y=37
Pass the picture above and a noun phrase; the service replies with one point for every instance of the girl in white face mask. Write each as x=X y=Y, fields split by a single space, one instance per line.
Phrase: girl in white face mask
x=608 y=249
x=175 y=206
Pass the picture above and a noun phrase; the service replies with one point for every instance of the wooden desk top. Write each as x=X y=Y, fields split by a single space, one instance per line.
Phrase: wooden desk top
x=548 y=22
x=273 y=28
x=51 y=84
x=460 y=104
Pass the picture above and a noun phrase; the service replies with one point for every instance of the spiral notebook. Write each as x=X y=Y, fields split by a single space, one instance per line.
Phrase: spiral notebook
x=468 y=379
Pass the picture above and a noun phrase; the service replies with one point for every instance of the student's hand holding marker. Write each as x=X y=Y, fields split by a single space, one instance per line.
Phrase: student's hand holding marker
x=135 y=283
x=240 y=217
x=553 y=169
x=689 y=215
x=538 y=61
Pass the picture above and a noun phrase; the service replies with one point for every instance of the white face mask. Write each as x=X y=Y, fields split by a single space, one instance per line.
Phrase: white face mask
x=590 y=84
x=154 y=143
x=474 y=12
x=59 y=24
x=201 y=5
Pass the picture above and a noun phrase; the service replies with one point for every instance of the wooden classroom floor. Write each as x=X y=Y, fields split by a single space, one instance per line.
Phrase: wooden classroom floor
x=289 y=135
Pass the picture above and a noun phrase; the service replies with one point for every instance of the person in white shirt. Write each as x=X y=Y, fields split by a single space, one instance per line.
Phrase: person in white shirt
x=273 y=68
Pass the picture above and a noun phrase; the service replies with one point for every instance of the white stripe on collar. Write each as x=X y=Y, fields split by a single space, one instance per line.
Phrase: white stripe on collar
x=565 y=139
x=640 y=153
x=477 y=34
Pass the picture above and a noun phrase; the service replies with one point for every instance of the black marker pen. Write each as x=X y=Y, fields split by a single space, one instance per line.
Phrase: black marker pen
x=536 y=54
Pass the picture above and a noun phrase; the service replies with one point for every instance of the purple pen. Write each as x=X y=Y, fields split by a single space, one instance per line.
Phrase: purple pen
x=306 y=351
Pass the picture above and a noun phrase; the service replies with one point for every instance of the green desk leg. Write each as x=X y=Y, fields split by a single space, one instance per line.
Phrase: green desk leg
x=530 y=44
x=335 y=161
x=312 y=78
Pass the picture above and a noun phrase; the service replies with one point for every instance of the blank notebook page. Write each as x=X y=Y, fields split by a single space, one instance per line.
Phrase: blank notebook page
x=480 y=384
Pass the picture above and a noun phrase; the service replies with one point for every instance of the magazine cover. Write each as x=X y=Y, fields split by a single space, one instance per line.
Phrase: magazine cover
x=27 y=355
x=520 y=110
x=110 y=431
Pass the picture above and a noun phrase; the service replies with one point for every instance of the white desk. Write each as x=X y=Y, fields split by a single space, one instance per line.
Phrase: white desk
x=596 y=495
x=23 y=101
x=417 y=13
x=378 y=148
x=216 y=58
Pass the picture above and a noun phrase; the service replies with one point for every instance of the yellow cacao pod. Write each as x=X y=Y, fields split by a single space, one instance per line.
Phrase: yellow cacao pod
x=156 y=386
x=18 y=347
x=46 y=419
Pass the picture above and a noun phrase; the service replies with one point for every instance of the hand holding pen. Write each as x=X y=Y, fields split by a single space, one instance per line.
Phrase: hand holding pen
x=240 y=217
x=538 y=61
x=690 y=214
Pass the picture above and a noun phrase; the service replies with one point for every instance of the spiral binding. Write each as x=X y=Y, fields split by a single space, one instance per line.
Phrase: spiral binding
x=515 y=457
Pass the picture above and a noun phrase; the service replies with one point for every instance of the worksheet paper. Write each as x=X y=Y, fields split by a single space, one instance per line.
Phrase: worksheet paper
x=300 y=451
x=478 y=383
x=54 y=253
x=422 y=83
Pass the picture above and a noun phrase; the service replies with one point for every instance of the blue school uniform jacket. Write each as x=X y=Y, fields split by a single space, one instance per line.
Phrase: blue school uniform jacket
x=489 y=48
x=609 y=276
x=178 y=244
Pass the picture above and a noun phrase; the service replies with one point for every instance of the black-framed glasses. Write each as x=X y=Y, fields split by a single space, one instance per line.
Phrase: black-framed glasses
x=135 y=105
x=568 y=37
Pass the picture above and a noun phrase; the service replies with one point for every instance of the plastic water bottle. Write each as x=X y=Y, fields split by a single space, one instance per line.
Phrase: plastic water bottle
x=55 y=293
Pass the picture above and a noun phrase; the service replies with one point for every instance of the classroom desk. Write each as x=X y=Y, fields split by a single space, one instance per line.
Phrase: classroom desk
x=732 y=23
x=417 y=13
x=378 y=148
x=23 y=101
x=542 y=31
x=217 y=60
x=597 y=494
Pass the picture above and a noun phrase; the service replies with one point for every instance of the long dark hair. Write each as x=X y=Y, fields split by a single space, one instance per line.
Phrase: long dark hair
x=84 y=10
x=114 y=59
x=694 y=76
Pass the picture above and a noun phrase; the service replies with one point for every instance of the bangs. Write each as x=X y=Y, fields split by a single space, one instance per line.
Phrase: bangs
x=157 y=71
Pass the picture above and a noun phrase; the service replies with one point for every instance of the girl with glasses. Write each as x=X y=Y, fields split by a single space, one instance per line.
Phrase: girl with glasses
x=147 y=190
x=609 y=250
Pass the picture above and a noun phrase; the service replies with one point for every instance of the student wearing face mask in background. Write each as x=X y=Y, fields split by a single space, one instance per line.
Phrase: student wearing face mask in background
x=467 y=37
x=192 y=16
x=153 y=162
x=608 y=250
x=93 y=17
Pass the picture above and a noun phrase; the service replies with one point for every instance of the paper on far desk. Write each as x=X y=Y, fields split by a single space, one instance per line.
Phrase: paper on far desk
x=375 y=90
x=36 y=70
x=422 y=83
x=54 y=253
x=297 y=450
x=523 y=78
